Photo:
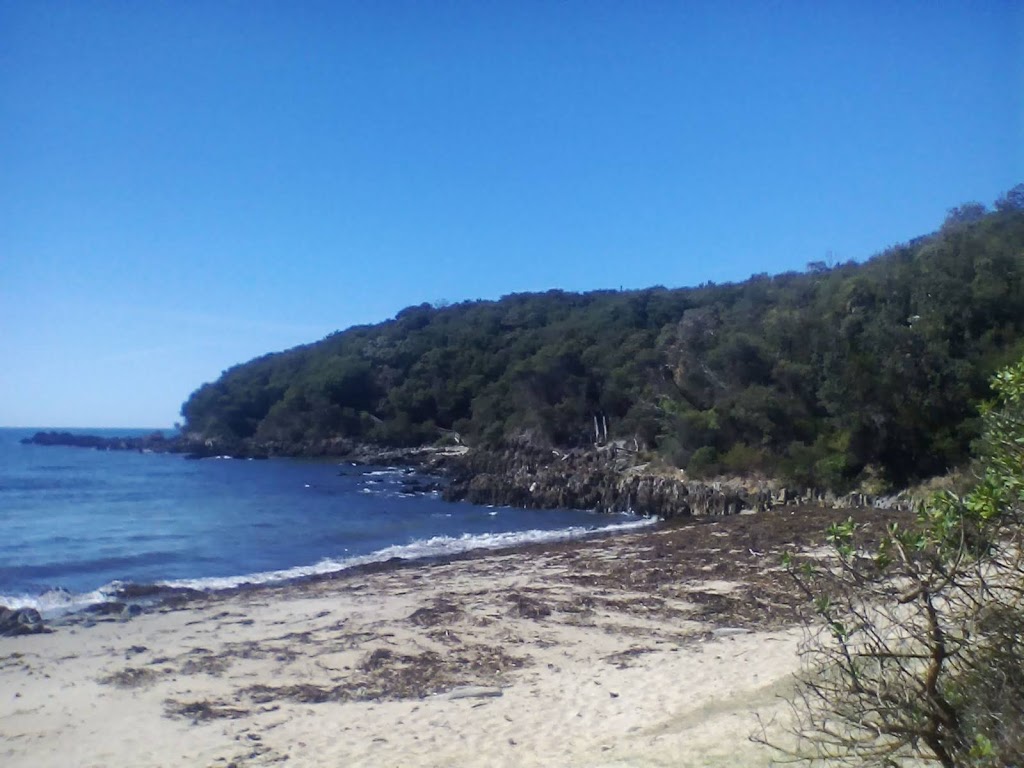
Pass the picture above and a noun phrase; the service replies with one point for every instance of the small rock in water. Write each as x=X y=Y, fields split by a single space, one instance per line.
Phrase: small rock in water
x=106 y=608
x=130 y=612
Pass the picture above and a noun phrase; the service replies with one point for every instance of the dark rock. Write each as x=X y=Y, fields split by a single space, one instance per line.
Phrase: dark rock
x=107 y=608
x=155 y=442
x=193 y=446
x=418 y=485
x=598 y=480
x=608 y=481
x=149 y=592
x=21 y=621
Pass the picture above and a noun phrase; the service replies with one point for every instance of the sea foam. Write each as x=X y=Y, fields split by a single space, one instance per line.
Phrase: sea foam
x=58 y=602
x=436 y=546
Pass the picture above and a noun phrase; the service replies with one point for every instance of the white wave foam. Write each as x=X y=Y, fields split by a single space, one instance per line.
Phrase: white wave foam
x=437 y=546
x=57 y=602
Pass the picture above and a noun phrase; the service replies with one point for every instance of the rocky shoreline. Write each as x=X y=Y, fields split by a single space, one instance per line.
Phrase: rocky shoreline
x=613 y=481
x=156 y=442
x=606 y=479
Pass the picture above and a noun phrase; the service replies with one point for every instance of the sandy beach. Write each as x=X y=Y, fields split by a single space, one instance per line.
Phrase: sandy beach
x=656 y=648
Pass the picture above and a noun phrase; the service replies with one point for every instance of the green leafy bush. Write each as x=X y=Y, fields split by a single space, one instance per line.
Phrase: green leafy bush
x=918 y=647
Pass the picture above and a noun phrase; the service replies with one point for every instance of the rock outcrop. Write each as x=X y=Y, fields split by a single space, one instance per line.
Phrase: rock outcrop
x=154 y=442
x=590 y=480
x=610 y=481
x=20 y=621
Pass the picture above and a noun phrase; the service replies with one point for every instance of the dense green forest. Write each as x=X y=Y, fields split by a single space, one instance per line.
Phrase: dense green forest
x=856 y=374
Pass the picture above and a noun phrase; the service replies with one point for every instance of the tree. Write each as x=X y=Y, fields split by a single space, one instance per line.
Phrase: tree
x=968 y=213
x=862 y=377
x=917 y=651
x=1013 y=200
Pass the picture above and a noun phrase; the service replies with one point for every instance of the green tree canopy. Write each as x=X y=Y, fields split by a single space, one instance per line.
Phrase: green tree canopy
x=827 y=377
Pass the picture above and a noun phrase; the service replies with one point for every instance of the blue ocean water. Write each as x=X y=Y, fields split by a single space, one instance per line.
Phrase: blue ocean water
x=76 y=523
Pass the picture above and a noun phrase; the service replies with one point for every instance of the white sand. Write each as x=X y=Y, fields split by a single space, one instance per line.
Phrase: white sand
x=600 y=681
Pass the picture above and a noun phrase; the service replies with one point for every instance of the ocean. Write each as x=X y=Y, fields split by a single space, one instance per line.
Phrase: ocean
x=77 y=524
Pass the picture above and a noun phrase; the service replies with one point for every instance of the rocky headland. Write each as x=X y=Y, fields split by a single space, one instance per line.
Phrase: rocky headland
x=606 y=479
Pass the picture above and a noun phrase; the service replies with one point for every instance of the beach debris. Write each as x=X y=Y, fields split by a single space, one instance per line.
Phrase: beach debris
x=445 y=636
x=624 y=659
x=131 y=677
x=198 y=711
x=442 y=611
x=13 y=661
x=527 y=607
x=205 y=662
x=473 y=692
x=377 y=659
x=303 y=693
x=729 y=631
x=384 y=675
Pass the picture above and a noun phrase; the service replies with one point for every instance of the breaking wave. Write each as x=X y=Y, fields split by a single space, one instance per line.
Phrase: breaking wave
x=436 y=546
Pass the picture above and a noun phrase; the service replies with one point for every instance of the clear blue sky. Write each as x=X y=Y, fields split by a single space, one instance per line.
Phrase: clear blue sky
x=186 y=185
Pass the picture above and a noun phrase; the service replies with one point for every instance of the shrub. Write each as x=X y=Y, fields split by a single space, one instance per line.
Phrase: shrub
x=917 y=649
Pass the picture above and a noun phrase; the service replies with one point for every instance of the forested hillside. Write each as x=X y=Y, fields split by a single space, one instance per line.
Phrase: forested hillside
x=843 y=375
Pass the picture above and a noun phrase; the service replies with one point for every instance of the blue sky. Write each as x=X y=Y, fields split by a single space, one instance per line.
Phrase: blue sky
x=186 y=185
